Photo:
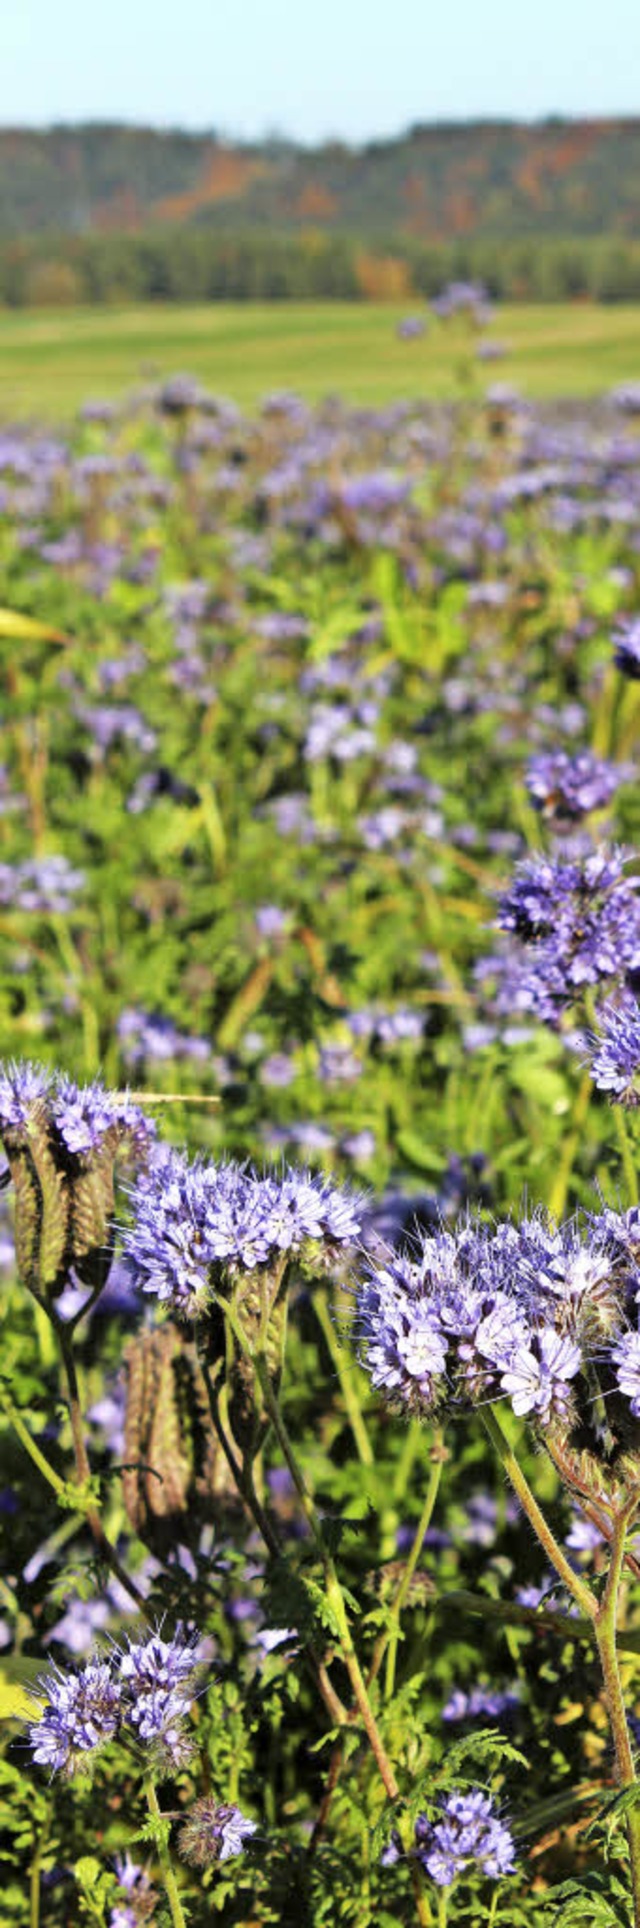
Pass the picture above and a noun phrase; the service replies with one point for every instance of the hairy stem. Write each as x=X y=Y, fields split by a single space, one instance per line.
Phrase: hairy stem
x=164 y=1858
x=243 y=1477
x=605 y=1629
x=580 y=1592
x=334 y=1594
x=387 y=1641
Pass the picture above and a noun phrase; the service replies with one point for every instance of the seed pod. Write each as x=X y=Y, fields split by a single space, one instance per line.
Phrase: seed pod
x=175 y=1469
x=42 y=1204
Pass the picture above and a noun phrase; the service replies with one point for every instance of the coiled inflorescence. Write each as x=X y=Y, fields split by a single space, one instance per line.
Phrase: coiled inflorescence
x=543 y=1315
x=142 y=1693
x=467 y=1835
x=196 y=1227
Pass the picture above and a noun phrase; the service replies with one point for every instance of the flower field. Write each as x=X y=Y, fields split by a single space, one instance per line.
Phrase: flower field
x=320 y=1233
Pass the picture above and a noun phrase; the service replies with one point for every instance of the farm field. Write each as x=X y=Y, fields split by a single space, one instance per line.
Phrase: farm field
x=51 y=361
x=319 y=1095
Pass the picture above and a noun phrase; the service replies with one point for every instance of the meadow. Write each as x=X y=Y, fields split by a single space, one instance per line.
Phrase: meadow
x=320 y=1042
x=50 y=360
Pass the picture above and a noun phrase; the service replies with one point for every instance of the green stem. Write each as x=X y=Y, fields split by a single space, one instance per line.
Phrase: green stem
x=626 y=1155
x=562 y=1180
x=443 y=1907
x=243 y=1477
x=580 y=1592
x=164 y=1858
x=344 y=1371
x=414 y=1555
x=605 y=1629
x=83 y=1469
x=388 y=1639
x=53 y=1479
x=334 y=1594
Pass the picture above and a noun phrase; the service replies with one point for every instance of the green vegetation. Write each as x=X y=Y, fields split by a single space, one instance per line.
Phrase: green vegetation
x=431 y=182
x=49 y=362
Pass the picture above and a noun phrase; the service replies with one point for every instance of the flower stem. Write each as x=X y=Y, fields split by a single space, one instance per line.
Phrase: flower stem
x=83 y=1469
x=581 y=1593
x=626 y=1155
x=388 y=1640
x=334 y=1594
x=562 y=1180
x=605 y=1629
x=164 y=1857
x=345 y=1372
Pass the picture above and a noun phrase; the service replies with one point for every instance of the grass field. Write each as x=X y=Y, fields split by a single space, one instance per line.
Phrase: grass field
x=51 y=361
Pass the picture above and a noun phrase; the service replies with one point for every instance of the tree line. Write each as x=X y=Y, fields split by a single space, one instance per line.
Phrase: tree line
x=197 y=264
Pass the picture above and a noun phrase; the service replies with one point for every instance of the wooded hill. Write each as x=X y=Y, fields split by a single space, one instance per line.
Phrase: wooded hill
x=434 y=183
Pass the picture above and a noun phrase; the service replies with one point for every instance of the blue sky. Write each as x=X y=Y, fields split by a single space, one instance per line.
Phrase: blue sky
x=355 y=68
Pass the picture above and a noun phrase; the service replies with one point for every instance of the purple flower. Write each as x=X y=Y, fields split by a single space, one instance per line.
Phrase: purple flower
x=626 y=1358
x=158 y=1679
x=81 y=1713
x=144 y=1036
x=480 y=1702
x=196 y=1225
x=467 y=1833
x=613 y=1055
x=22 y=1087
x=214 y=1832
x=136 y=1884
x=580 y=919
x=537 y=1375
x=568 y=787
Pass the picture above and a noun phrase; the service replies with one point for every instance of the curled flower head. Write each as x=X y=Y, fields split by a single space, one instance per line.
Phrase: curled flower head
x=613 y=1053
x=569 y=787
x=81 y=1712
x=577 y=921
x=196 y=1227
x=159 y=1686
x=214 y=1832
x=466 y=1834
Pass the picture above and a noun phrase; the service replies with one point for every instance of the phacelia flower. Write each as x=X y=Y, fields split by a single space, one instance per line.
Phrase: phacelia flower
x=568 y=787
x=214 y=1832
x=538 y=1376
x=466 y=1835
x=81 y=1713
x=613 y=1054
x=159 y=1685
x=195 y=1225
x=579 y=921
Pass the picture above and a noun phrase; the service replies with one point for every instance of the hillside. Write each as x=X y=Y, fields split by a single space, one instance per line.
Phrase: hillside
x=434 y=183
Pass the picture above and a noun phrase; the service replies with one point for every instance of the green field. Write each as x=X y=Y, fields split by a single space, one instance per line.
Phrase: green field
x=51 y=361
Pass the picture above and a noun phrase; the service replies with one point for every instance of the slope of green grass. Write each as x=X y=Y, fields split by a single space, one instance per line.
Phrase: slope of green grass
x=51 y=361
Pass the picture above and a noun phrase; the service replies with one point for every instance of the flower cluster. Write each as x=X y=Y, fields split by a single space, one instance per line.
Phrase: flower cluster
x=613 y=1053
x=576 y=919
x=79 y=1119
x=569 y=787
x=466 y=1836
x=197 y=1226
x=46 y=884
x=142 y=1693
x=213 y=1832
x=140 y=1898
x=543 y=1315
